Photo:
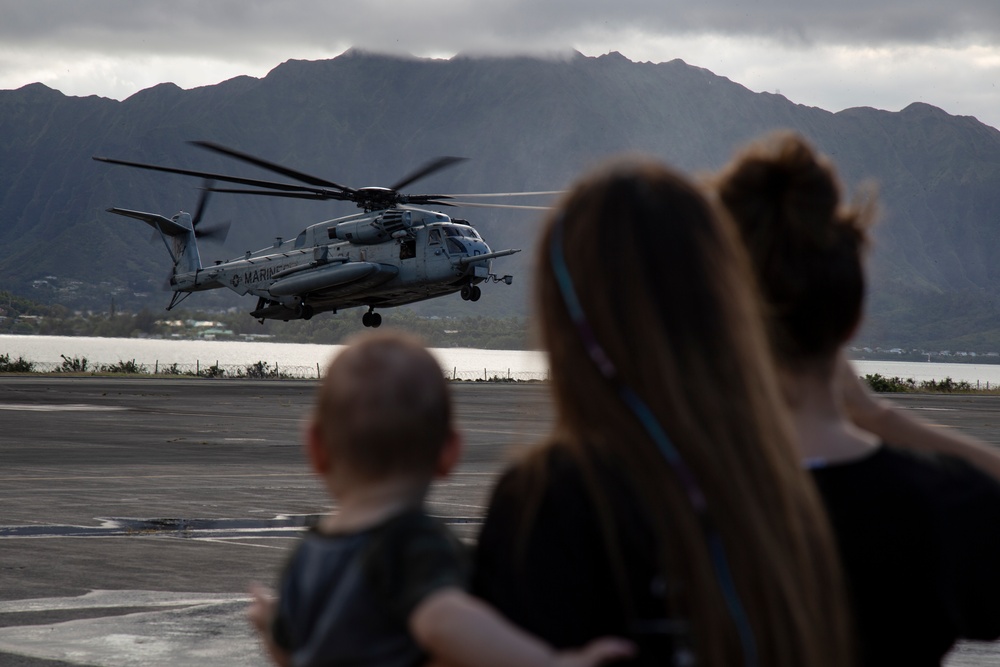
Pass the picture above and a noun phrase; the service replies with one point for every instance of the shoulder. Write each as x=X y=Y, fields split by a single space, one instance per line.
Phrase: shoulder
x=942 y=476
x=414 y=534
x=940 y=504
x=548 y=482
x=896 y=468
x=550 y=469
x=411 y=556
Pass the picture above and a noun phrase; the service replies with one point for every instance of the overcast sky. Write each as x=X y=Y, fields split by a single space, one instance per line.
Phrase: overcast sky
x=834 y=55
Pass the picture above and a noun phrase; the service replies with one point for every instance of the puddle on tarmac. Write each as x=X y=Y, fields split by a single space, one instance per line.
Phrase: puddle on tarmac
x=286 y=526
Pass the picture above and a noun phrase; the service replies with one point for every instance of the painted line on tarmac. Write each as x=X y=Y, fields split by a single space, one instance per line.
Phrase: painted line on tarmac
x=235 y=541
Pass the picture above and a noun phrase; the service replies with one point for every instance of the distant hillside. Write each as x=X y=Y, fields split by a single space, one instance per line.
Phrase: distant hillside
x=527 y=123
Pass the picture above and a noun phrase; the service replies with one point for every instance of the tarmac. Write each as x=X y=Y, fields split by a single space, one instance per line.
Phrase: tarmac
x=136 y=511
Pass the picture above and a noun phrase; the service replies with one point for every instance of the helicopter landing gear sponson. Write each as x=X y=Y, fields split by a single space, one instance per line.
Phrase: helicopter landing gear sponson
x=371 y=319
x=471 y=292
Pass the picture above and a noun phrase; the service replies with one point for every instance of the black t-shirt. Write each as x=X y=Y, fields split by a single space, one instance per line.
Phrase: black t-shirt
x=919 y=537
x=345 y=599
x=559 y=583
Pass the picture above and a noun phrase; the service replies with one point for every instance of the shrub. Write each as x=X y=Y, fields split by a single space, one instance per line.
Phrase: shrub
x=74 y=365
x=262 y=370
x=946 y=385
x=881 y=384
x=128 y=367
x=19 y=365
x=212 y=372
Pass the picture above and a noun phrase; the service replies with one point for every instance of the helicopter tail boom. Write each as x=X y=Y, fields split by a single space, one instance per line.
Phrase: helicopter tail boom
x=154 y=220
x=184 y=247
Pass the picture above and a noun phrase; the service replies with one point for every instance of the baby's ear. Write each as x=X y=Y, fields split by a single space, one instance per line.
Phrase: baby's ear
x=451 y=452
x=316 y=450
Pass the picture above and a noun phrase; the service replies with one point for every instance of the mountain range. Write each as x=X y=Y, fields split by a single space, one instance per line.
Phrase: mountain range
x=526 y=123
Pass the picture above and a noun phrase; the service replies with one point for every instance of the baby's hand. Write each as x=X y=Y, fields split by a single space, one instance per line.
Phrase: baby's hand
x=262 y=608
x=261 y=613
x=597 y=652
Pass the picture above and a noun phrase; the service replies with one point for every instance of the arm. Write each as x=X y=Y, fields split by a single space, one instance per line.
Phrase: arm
x=460 y=630
x=903 y=429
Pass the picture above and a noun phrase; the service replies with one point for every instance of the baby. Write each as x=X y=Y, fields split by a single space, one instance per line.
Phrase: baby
x=380 y=582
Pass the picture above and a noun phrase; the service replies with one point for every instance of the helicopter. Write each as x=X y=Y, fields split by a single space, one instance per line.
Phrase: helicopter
x=391 y=253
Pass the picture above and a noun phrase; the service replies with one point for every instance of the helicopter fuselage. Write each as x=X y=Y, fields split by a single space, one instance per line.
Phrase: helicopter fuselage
x=389 y=255
x=376 y=259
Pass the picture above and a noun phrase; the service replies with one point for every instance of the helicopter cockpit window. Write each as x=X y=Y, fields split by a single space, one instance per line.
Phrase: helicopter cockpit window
x=300 y=240
x=407 y=249
x=455 y=247
x=461 y=231
x=434 y=238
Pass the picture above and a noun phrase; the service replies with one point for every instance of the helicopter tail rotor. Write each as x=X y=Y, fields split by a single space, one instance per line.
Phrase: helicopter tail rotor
x=216 y=233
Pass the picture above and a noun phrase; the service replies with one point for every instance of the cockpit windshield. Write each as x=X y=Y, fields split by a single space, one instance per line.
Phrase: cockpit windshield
x=462 y=231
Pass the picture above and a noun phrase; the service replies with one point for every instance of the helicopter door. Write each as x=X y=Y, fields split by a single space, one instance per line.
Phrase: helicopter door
x=435 y=264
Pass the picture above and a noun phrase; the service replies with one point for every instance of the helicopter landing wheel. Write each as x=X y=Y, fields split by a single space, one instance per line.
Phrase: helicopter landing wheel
x=376 y=320
x=466 y=292
x=476 y=293
x=366 y=319
x=307 y=312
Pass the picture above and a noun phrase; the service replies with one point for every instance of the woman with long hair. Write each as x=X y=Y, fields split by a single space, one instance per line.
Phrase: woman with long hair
x=917 y=533
x=668 y=505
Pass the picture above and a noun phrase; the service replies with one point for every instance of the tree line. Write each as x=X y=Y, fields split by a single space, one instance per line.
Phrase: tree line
x=24 y=317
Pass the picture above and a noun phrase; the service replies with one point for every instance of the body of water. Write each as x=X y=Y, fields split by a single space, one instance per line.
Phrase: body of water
x=921 y=371
x=463 y=363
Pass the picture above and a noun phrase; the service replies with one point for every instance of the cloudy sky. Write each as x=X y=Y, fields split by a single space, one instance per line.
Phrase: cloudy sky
x=833 y=55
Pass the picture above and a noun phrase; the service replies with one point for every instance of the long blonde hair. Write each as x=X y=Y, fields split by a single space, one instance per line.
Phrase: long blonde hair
x=665 y=292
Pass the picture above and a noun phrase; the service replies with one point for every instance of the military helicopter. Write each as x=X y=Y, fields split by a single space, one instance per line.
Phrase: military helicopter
x=390 y=254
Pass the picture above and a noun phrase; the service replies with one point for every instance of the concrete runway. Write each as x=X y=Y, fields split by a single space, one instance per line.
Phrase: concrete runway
x=135 y=511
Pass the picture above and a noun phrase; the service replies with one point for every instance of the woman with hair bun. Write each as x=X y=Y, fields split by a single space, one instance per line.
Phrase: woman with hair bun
x=668 y=505
x=917 y=532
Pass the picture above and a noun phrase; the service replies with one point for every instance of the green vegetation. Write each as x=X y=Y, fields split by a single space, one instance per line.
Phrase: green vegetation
x=881 y=384
x=74 y=365
x=19 y=365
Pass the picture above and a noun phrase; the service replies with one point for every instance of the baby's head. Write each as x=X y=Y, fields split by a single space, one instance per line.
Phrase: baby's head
x=384 y=411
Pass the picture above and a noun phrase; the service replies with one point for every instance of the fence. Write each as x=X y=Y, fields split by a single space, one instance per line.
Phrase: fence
x=260 y=370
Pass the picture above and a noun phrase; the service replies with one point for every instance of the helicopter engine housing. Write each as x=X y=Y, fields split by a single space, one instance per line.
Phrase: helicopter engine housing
x=378 y=229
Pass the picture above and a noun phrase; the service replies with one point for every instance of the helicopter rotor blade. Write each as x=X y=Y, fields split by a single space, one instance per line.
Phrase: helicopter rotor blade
x=252 y=182
x=429 y=202
x=514 y=206
x=508 y=194
x=423 y=199
x=270 y=166
x=294 y=195
x=434 y=165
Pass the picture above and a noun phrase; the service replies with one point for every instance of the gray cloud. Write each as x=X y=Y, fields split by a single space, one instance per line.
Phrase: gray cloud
x=856 y=52
x=222 y=26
